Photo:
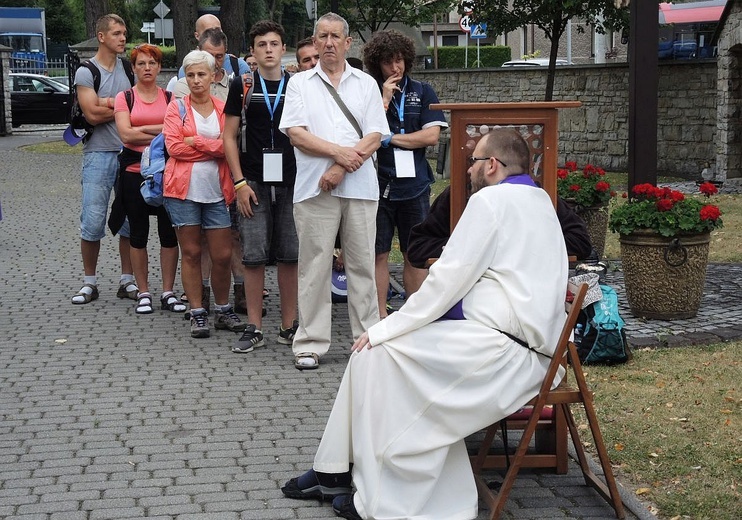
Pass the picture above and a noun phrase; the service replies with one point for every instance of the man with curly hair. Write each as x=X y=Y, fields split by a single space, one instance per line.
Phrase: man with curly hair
x=404 y=173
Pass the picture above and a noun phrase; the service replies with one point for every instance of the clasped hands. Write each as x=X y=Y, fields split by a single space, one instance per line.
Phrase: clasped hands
x=347 y=159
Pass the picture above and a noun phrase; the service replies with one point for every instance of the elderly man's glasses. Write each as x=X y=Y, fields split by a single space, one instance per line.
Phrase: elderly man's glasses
x=471 y=160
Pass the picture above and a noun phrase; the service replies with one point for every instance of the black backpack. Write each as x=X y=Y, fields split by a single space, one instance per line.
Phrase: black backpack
x=77 y=118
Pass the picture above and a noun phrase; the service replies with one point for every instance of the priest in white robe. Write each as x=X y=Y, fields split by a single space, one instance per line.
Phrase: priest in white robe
x=469 y=348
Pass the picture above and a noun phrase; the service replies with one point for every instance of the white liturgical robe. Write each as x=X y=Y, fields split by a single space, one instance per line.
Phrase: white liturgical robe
x=405 y=406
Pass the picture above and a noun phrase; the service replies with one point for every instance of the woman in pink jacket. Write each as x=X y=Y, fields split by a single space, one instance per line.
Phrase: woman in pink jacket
x=197 y=188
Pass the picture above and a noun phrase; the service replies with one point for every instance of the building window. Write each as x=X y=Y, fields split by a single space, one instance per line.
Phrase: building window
x=450 y=41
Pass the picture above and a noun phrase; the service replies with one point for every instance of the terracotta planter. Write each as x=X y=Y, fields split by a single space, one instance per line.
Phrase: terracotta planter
x=664 y=277
x=596 y=219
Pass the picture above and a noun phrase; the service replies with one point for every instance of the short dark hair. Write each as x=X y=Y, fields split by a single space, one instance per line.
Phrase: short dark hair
x=215 y=36
x=305 y=42
x=385 y=46
x=263 y=27
x=507 y=144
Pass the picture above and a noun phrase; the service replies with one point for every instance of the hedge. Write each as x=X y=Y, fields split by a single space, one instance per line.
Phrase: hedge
x=168 y=55
x=489 y=56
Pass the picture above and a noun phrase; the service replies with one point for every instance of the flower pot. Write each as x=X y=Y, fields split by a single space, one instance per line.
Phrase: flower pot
x=596 y=219
x=664 y=276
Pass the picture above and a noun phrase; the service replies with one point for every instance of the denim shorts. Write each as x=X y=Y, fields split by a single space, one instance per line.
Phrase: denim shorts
x=99 y=170
x=212 y=215
x=270 y=234
x=402 y=214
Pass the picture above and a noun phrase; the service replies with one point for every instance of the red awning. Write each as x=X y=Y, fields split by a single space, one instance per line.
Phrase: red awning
x=690 y=13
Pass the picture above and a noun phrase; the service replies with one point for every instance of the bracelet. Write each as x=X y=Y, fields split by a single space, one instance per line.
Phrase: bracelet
x=240 y=184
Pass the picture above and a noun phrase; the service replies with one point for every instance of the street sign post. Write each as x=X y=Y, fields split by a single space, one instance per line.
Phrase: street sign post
x=465 y=24
x=162 y=10
x=478 y=32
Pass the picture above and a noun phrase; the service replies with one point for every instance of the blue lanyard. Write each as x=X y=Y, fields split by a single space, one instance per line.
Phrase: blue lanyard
x=400 y=107
x=266 y=97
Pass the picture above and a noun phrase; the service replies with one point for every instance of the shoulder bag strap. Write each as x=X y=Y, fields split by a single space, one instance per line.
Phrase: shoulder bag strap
x=343 y=107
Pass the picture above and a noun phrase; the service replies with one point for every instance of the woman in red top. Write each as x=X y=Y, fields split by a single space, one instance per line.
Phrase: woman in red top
x=197 y=189
x=138 y=120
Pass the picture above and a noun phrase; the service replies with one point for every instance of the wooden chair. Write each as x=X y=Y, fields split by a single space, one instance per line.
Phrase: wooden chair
x=560 y=398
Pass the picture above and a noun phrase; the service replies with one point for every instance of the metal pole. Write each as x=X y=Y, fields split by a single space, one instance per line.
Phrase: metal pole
x=435 y=41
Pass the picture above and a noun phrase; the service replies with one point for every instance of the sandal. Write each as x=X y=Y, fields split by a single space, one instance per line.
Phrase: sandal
x=306 y=361
x=170 y=302
x=128 y=290
x=82 y=297
x=144 y=303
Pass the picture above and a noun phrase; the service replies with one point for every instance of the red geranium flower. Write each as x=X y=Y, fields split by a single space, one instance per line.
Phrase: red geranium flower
x=602 y=186
x=562 y=173
x=708 y=189
x=571 y=166
x=710 y=212
x=665 y=204
x=574 y=187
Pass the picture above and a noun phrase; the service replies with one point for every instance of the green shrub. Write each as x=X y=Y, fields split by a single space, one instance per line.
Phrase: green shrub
x=168 y=55
x=489 y=56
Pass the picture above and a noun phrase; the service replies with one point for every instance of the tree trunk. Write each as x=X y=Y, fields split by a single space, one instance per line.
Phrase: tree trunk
x=556 y=34
x=94 y=9
x=233 y=24
x=185 y=13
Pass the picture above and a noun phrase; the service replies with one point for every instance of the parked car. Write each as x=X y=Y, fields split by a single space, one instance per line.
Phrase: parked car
x=534 y=63
x=64 y=80
x=37 y=99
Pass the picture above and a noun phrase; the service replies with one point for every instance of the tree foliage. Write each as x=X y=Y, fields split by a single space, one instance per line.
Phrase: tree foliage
x=375 y=15
x=551 y=16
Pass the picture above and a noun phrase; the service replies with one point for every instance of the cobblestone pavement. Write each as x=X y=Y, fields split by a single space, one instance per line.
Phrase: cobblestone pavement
x=110 y=415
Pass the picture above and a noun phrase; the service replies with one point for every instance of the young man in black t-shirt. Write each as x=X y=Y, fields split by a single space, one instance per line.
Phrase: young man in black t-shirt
x=264 y=170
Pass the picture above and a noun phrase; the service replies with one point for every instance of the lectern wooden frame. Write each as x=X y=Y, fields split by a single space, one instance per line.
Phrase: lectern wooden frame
x=467 y=121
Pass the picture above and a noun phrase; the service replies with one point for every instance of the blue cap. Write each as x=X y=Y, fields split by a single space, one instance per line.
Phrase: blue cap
x=73 y=136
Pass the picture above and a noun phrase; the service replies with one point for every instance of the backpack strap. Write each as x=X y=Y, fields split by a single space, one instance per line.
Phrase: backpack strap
x=248 y=86
x=129 y=95
x=128 y=69
x=235 y=62
x=181 y=110
x=95 y=71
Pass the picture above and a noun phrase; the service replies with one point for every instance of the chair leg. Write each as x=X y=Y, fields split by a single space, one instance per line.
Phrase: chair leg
x=609 y=489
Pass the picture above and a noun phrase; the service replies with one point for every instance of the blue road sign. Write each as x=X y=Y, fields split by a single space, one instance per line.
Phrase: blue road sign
x=478 y=31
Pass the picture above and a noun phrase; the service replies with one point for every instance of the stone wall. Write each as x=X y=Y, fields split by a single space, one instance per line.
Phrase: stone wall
x=729 y=124
x=597 y=132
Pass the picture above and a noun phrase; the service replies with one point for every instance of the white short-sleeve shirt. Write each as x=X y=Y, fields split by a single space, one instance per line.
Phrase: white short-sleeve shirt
x=309 y=104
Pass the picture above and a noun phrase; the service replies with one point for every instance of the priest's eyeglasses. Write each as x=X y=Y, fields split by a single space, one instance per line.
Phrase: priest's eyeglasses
x=471 y=160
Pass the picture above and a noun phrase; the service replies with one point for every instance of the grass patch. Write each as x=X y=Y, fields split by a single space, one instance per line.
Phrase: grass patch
x=55 y=147
x=671 y=421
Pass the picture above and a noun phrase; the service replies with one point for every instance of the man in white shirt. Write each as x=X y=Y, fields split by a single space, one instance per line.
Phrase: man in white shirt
x=336 y=186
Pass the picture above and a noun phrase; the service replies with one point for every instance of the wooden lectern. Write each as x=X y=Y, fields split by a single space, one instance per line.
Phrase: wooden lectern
x=537 y=122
